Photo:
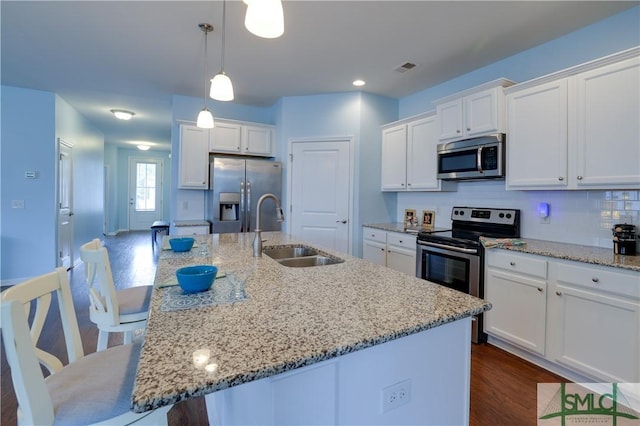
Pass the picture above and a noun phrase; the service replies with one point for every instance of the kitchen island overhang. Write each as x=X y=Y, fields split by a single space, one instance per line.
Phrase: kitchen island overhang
x=293 y=319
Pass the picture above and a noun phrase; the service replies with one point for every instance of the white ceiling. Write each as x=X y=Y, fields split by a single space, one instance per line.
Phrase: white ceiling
x=134 y=55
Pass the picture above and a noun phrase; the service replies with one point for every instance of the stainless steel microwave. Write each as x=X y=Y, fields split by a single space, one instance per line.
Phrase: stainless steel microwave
x=477 y=158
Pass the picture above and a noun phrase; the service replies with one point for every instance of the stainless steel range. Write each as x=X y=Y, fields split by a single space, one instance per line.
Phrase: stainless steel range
x=455 y=258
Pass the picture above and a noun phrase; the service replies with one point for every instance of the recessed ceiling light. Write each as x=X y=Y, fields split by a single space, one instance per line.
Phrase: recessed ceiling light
x=143 y=147
x=122 y=114
x=358 y=83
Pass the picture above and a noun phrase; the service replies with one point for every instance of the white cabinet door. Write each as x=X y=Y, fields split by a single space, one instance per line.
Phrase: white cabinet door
x=519 y=309
x=422 y=146
x=596 y=334
x=394 y=158
x=608 y=129
x=374 y=251
x=481 y=113
x=594 y=321
x=226 y=137
x=193 y=162
x=537 y=137
x=401 y=259
x=257 y=140
x=450 y=120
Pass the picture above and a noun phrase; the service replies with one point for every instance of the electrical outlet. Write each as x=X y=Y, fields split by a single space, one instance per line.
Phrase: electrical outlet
x=545 y=220
x=396 y=395
x=17 y=204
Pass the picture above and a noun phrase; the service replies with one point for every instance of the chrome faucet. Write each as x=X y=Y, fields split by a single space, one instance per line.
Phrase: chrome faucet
x=257 y=239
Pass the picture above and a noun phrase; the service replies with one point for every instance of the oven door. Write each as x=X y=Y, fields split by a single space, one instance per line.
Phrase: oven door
x=454 y=267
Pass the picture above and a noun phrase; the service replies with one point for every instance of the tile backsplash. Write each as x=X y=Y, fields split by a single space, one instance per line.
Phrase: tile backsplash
x=579 y=217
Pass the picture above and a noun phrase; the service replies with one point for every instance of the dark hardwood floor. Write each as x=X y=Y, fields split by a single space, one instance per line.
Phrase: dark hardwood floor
x=503 y=387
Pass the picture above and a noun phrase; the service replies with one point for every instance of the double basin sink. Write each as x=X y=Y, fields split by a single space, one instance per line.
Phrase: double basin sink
x=300 y=256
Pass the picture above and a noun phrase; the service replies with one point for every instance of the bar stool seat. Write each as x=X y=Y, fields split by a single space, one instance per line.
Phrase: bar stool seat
x=158 y=226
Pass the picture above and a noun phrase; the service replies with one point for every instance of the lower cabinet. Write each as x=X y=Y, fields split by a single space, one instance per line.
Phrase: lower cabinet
x=518 y=292
x=577 y=316
x=395 y=250
x=595 y=313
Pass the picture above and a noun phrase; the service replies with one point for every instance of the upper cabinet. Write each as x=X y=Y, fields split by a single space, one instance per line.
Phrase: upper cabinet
x=193 y=162
x=242 y=138
x=577 y=129
x=409 y=160
x=474 y=112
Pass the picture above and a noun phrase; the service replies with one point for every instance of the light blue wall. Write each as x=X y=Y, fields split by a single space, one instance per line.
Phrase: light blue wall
x=356 y=115
x=88 y=179
x=28 y=243
x=111 y=163
x=29 y=235
x=616 y=33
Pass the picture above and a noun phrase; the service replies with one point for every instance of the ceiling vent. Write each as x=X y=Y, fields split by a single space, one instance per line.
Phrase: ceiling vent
x=407 y=66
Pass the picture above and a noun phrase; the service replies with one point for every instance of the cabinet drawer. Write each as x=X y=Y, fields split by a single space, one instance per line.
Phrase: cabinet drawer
x=401 y=240
x=600 y=278
x=519 y=263
x=374 y=235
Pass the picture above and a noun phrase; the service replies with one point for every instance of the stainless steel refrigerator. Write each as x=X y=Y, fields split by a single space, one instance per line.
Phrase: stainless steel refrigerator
x=235 y=185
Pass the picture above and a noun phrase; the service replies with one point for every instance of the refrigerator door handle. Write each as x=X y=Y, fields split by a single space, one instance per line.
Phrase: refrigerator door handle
x=242 y=206
x=248 y=205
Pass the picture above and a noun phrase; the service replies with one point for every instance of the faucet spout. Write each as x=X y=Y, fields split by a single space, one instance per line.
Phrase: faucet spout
x=257 y=239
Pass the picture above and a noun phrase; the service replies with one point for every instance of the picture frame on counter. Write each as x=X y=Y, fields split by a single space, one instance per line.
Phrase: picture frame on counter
x=410 y=217
x=428 y=219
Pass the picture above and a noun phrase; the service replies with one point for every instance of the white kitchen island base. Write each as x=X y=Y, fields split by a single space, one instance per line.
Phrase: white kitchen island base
x=348 y=389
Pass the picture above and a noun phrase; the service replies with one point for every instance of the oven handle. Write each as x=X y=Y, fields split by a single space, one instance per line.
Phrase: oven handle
x=446 y=247
x=480 y=160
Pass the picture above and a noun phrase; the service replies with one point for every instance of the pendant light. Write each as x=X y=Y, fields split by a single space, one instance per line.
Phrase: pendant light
x=205 y=118
x=221 y=87
x=264 y=18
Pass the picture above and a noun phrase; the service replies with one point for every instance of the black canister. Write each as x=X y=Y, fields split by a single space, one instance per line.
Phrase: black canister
x=624 y=239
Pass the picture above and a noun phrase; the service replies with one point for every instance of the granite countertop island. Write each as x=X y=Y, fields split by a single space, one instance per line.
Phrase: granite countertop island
x=292 y=317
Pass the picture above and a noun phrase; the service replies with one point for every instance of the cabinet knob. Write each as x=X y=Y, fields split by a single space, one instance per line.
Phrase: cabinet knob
x=540 y=289
x=382 y=249
x=400 y=241
x=246 y=149
x=402 y=184
x=238 y=148
x=457 y=131
x=408 y=184
x=595 y=279
x=468 y=129
x=579 y=177
x=558 y=293
x=560 y=178
x=512 y=263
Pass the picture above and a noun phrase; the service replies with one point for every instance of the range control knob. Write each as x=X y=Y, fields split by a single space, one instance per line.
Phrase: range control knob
x=508 y=215
x=462 y=213
x=455 y=212
x=501 y=215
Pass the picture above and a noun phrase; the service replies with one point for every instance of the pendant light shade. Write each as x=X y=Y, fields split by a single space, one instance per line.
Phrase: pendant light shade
x=221 y=87
x=205 y=118
x=264 y=18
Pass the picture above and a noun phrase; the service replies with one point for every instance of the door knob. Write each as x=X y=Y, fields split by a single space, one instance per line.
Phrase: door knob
x=343 y=221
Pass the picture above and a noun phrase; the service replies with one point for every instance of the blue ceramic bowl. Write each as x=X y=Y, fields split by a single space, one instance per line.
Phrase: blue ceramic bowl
x=181 y=244
x=193 y=279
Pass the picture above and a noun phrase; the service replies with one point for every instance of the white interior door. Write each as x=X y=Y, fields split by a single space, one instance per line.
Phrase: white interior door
x=65 y=204
x=145 y=192
x=320 y=191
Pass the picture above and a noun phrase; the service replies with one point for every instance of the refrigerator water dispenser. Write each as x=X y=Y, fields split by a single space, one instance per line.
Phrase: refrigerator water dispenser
x=229 y=206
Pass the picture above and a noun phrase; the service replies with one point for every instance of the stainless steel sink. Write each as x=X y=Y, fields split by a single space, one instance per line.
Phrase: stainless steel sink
x=287 y=252
x=301 y=262
x=300 y=256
